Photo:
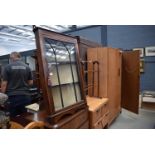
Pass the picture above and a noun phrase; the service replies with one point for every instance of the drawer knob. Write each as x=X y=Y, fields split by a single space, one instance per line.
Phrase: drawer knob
x=97 y=111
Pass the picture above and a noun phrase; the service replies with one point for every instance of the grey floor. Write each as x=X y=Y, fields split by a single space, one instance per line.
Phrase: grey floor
x=128 y=120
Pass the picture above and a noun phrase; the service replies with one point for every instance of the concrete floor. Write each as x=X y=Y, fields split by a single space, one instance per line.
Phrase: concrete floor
x=128 y=120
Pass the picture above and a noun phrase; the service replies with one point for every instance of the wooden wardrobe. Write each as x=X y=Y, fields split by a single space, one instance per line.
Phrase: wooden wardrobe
x=109 y=77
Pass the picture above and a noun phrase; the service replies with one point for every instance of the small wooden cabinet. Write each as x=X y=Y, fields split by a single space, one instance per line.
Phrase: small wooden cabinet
x=98 y=112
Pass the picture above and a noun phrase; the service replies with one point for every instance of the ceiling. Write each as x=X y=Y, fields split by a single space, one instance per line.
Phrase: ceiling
x=21 y=37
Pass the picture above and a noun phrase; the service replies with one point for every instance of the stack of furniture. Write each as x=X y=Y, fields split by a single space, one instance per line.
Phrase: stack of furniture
x=59 y=76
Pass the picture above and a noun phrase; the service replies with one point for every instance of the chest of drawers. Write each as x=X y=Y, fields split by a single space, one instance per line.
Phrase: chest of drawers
x=98 y=112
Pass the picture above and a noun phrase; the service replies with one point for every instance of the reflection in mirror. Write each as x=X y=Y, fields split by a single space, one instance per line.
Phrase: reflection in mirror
x=63 y=75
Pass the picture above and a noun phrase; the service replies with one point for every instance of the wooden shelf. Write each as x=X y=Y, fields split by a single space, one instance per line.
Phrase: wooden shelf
x=64 y=84
x=63 y=62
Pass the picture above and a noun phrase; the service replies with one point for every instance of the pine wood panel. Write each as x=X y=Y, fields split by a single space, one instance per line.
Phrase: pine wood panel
x=114 y=83
x=102 y=55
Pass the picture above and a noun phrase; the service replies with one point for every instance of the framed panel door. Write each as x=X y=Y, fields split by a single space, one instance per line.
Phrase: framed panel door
x=60 y=71
x=114 y=83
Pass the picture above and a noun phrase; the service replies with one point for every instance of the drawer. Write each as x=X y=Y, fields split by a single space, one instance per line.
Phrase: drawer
x=105 y=120
x=97 y=125
x=104 y=108
x=95 y=115
x=76 y=121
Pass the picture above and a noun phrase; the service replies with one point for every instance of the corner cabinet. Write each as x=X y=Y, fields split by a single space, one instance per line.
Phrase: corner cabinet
x=61 y=80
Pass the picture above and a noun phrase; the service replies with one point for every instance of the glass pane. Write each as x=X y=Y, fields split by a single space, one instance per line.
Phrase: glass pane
x=71 y=49
x=56 y=97
x=68 y=95
x=63 y=74
x=53 y=74
x=64 y=52
x=75 y=74
x=78 y=92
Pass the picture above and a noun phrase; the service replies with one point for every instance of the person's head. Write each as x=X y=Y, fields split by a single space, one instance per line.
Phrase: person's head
x=15 y=56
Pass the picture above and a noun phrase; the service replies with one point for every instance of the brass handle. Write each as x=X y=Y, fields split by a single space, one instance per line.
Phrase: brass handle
x=106 y=114
x=97 y=111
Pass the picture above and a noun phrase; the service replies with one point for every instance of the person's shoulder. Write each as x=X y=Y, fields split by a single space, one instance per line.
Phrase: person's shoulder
x=22 y=63
x=27 y=66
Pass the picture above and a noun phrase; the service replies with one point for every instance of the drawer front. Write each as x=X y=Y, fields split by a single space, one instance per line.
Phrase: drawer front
x=95 y=115
x=105 y=120
x=98 y=125
x=104 y=109
x=77 y=121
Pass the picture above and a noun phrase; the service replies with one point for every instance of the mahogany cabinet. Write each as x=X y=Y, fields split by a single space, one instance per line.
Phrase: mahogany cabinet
x=109 y=77
x=61 y=80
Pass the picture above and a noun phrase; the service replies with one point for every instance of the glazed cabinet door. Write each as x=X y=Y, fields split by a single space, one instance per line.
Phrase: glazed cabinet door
x=60 y=72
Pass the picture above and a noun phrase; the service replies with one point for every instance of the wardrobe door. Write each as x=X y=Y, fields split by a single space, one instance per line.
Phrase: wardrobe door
x=114 y=83
x=103 y=71
x=130 y=80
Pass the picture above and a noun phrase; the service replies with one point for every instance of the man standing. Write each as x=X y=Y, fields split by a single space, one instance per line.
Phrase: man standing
x=16 y=79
